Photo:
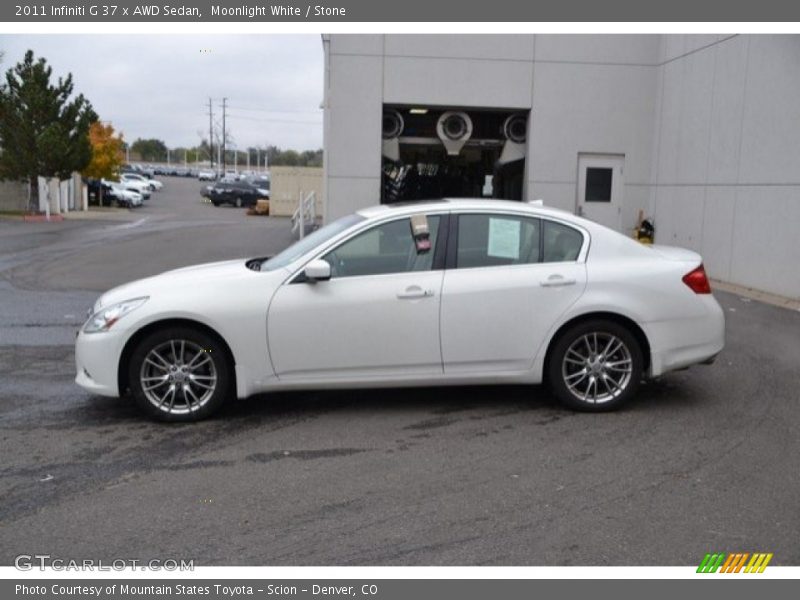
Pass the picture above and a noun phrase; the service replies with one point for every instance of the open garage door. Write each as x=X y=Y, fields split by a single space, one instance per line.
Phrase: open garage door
x=465 y=153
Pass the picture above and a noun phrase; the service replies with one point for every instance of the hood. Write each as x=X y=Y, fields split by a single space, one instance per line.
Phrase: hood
x=677 y=254
x=192 y=278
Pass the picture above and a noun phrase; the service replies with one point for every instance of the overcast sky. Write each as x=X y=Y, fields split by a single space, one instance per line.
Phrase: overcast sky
x=158 y=86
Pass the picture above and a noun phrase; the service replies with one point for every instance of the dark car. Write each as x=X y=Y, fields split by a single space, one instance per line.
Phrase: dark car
x=237 y=193
x=102 y=194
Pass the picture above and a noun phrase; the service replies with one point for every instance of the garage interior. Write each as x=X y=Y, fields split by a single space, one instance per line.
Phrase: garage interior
x=436 y=152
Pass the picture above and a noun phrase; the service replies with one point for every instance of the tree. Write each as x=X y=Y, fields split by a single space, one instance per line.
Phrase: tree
x=150 y=150
x=107 y=152
x=43 y=130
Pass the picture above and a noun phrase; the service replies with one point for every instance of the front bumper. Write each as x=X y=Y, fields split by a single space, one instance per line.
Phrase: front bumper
x=97 y=357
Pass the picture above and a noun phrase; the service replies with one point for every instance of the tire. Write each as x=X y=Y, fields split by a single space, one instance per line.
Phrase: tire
x=583 y=377
x=195 y=374
x=238 y=202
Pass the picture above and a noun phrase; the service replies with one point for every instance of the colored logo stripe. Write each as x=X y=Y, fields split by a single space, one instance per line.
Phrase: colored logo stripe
x=734 y=562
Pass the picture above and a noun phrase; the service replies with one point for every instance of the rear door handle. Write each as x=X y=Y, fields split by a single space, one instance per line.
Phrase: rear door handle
x=556 y=281
x=414 y=292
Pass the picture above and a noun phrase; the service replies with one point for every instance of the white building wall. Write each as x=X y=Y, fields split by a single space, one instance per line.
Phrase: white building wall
x=709 y=127
x=727 y=158
x=591 y=93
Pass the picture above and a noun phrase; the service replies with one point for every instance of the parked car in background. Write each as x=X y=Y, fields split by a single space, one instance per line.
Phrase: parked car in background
x=99 y=193
x=237 y=193
x=446 y=292
x=261 y=184
x=112 y=194
x=125 y=196
x=154 y=184
x=206 y=175
x=136 y=185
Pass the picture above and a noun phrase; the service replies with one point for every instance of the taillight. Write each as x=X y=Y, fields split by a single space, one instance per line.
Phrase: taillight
x=697 y=281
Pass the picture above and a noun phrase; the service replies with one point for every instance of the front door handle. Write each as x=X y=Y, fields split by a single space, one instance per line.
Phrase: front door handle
x=556 y=281
x=414 y=293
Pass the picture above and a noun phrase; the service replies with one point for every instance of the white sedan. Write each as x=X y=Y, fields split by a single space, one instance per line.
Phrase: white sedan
x=124 y=195
x=154 y=184
x=431 y=293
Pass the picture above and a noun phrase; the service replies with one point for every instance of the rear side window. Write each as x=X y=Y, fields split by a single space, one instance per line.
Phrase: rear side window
x=561 y=243
x=497 y=240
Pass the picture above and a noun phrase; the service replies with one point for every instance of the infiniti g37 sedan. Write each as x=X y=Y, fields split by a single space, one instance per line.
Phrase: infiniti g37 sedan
x=432 y=293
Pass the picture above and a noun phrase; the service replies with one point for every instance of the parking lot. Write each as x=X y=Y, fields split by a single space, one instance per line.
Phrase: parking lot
x=705 y=460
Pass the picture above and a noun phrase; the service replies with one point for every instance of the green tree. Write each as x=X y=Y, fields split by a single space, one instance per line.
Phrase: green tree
x=43 y=129
x=150 y=150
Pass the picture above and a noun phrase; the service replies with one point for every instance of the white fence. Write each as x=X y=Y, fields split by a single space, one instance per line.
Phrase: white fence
x=58 y=197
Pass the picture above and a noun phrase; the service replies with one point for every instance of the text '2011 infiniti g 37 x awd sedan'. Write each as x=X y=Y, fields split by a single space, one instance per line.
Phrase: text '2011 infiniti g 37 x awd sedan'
x=441 y=292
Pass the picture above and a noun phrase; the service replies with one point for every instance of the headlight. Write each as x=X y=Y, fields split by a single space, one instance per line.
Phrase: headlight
x=104 y=318
x=263 y=192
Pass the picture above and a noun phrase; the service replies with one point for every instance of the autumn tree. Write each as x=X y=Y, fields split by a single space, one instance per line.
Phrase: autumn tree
x=107 y=151
x=43 y=128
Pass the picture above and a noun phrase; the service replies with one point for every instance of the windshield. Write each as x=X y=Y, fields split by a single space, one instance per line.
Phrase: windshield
x=308 y=243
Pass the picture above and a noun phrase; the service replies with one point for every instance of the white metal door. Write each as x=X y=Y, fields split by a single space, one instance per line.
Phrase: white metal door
x=600 y=188
x=357 y=328
x=495 y=318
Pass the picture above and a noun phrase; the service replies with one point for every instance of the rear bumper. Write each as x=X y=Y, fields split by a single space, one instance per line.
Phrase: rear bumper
x=679 y=343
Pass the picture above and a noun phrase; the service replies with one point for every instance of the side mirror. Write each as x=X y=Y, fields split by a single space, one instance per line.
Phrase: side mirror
x=317 y=270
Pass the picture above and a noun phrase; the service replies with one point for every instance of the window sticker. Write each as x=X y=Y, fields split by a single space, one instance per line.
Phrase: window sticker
x=504 y=237
x=421 y=232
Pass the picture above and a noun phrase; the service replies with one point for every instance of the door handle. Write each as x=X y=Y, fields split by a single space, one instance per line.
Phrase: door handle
x=556 y=281
x=414 y=293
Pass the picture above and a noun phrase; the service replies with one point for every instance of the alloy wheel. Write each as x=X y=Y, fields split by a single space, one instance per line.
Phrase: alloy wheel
x=597 y=367
x=178 y=376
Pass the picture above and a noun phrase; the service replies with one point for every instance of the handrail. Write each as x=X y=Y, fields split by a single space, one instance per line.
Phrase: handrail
x=306 y=212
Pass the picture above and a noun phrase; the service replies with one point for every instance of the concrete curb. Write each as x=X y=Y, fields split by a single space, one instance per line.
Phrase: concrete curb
x=754 y=294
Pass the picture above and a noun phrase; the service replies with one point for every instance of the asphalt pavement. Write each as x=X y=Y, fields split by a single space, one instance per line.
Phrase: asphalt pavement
x=705 y=460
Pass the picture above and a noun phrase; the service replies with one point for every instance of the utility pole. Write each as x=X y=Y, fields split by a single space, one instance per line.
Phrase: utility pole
x=211 y=133
x=224 y=102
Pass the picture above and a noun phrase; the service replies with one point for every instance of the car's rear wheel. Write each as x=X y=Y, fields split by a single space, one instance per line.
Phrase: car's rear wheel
x=179 y=374
x=595 y=366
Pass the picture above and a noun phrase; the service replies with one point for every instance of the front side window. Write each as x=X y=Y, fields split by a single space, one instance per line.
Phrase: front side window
x=386 y=248
x=308 y=243
x=497 y=240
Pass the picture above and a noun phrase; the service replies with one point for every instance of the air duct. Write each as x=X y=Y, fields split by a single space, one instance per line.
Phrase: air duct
x=454 y=128
x=515 y=130
x=392 y=127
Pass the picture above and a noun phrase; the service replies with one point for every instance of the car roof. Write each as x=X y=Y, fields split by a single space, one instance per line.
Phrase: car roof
x=460 y=204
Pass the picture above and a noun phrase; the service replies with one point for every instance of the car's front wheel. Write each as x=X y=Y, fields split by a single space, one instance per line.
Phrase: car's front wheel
x=595 y=366
x=179 y=374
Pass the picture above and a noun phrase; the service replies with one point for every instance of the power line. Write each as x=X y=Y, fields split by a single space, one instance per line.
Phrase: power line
x=274 y=120
x=267 y=110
